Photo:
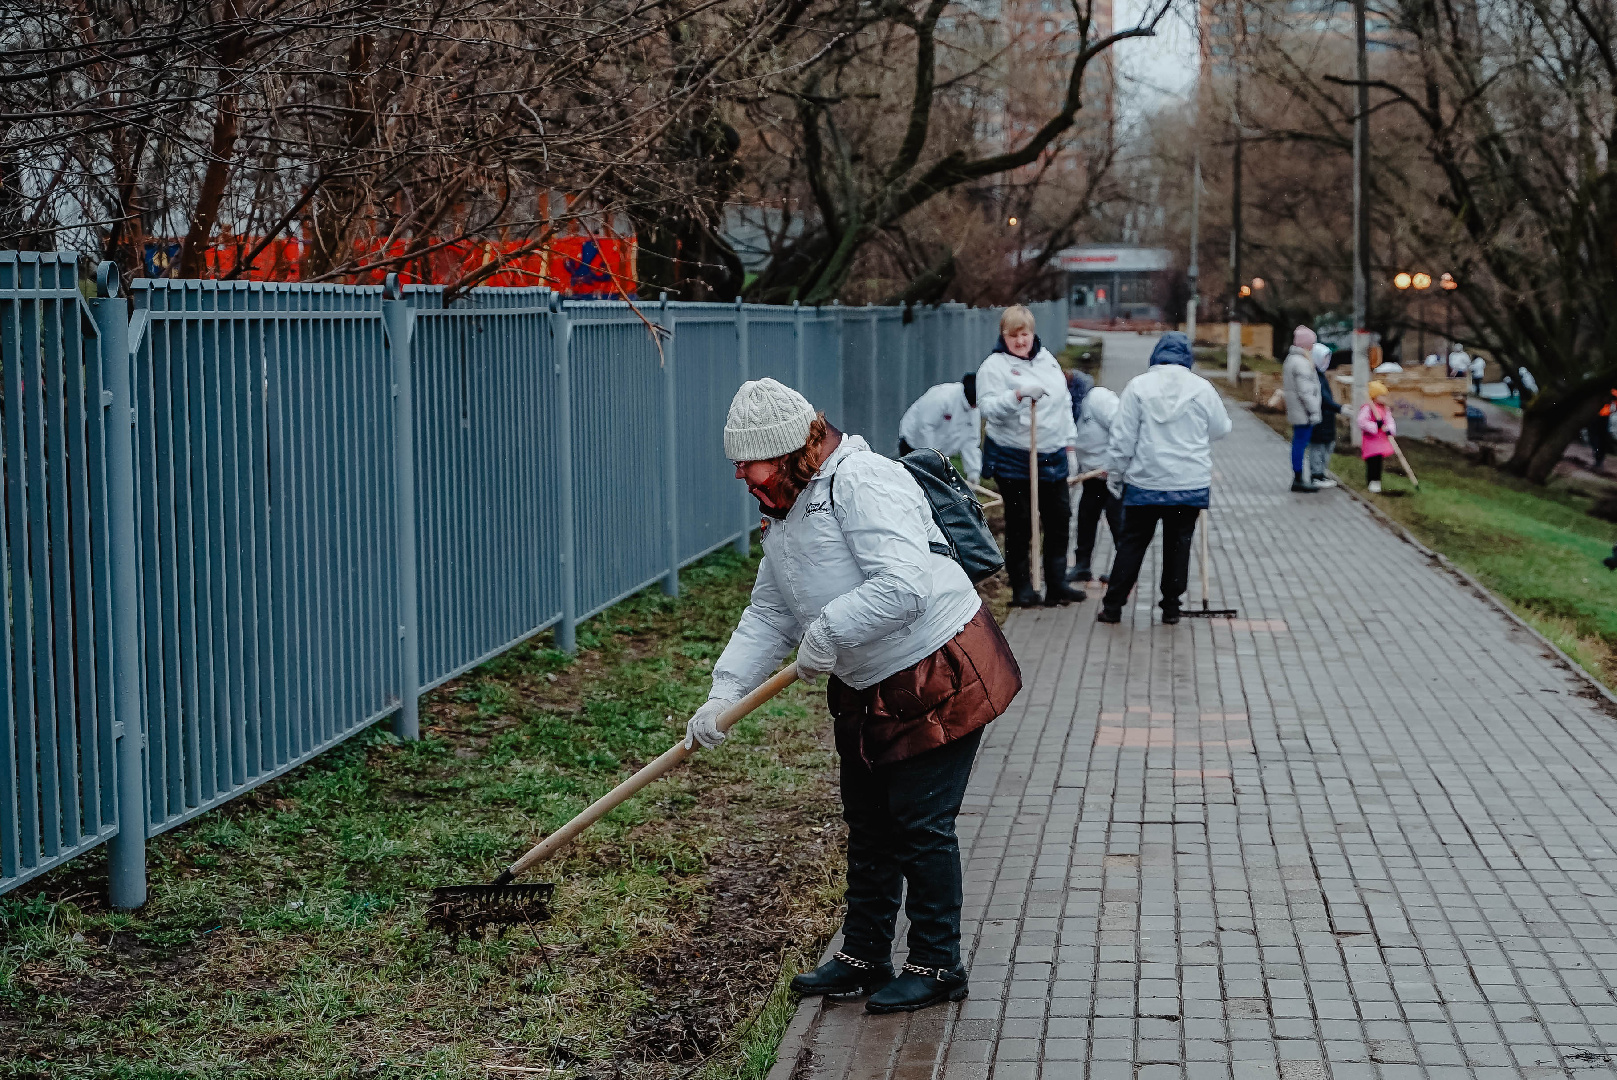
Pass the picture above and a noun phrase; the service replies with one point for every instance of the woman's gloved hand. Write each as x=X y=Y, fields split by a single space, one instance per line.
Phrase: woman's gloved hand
x=817 y=655
x=703 y=728
x=1030 y=390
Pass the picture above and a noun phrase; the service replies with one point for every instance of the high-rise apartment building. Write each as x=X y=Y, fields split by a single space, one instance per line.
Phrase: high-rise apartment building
x=1304 y=29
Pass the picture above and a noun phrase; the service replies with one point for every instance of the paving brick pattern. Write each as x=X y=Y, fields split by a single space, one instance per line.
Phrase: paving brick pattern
x=1365 y=831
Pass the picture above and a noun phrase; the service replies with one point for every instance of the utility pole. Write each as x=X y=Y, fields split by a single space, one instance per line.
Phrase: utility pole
x=1233 y=356
x=1361 y=225
x=1194 y=273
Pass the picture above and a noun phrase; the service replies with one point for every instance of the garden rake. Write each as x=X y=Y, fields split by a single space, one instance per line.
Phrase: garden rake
x=1206 y=612
x=458 y=909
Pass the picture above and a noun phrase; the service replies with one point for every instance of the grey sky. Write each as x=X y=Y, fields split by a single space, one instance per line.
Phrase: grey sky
x=1150 y=69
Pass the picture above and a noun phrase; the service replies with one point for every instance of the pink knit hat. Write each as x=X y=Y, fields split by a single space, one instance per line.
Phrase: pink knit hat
x=1303 y=337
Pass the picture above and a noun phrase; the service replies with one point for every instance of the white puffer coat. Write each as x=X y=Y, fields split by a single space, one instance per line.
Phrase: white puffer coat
x=1007 y=419
x=858 y=553
x=1095 y=428
x=944 y=420
x=1162 y=438
x=1299 y=384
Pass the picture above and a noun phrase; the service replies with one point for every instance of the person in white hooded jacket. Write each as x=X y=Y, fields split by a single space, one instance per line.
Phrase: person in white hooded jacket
x=853 y=579
x=945 y=419
x=1019 y=377
x=1095 y=501
x=1160 y=464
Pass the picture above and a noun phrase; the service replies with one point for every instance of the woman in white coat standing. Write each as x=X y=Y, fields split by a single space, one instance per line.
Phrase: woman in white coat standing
x=1160 y=463
x=1018 y=377
x=918 y=667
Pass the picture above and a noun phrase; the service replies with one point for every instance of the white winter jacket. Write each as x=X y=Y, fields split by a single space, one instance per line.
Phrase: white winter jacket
x=853 y=547
x=1162 y=439
x=1299 y=383
x=1007 y=418
x=942 y=419
x=1095 y=428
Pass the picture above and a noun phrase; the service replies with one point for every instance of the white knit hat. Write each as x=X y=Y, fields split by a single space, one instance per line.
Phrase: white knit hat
x=767 y=419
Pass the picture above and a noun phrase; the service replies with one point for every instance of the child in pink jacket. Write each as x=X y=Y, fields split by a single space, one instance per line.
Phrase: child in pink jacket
x=1376 y=421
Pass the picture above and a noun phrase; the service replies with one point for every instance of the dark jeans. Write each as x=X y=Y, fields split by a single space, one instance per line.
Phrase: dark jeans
x=1054 y=510
x=1094 y=502
x=1139 y=526
x=901 y=829
x=1372 y=467
x=1300 y=434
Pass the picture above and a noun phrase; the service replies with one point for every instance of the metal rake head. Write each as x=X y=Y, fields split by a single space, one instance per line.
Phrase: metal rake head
x=463 y=909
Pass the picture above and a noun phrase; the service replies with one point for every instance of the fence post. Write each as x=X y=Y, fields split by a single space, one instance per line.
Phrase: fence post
x=399 y=322
x=797 y=343
x=562 y=345
x=126 y=852
x=670 y=449
x=748 y=514
x=842 y=375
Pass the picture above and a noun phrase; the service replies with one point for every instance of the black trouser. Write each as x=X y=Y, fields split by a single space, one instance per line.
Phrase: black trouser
x=1139 y=526
x=1054 y=510
x=901 y=829
x=1092 y=504
x=1372 y=468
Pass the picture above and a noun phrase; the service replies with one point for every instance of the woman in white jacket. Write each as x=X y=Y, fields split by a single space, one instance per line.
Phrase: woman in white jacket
x=1160 y=463
x=1095 y=501
x=918 y=667
x=1018 y=377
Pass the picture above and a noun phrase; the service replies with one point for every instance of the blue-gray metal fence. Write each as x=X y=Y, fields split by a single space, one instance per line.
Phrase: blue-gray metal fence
x=243 y=521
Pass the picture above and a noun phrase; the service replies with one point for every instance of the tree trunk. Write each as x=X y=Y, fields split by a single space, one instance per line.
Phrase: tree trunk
x=194 y=251
x=1549 y=424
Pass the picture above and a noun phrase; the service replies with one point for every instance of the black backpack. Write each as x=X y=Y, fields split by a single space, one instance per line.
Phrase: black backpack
x=958 y=514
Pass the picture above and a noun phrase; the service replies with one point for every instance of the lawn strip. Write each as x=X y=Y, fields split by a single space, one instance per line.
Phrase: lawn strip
x=285 y=936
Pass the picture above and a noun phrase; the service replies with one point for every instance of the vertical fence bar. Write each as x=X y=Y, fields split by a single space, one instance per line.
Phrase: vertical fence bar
x=744 y=363
x=126 y=853
x=562 y=346
x=398 y=319
x=670 y=448
x=797 y=346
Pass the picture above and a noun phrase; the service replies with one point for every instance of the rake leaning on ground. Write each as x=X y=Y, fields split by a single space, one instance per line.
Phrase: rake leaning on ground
x=1206 y=612
x=459 y=909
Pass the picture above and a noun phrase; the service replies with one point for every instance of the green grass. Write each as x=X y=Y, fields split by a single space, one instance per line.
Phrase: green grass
x=1535 y=547
x=286 y=937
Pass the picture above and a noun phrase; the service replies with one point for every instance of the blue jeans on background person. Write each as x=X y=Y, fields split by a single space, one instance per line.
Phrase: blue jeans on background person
x=1300 y=434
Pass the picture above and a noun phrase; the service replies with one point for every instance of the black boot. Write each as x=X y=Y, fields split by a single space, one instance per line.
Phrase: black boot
x=1299 y=484
x=1020 y=572
x=1056 y=591
x=843 y=977
x=917 y=987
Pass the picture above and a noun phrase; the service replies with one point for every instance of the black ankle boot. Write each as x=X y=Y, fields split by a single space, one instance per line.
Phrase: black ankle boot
x=917 y=987
x=1299 y=484
x=1056 y=590
x=842 y=977
x=1024 y=596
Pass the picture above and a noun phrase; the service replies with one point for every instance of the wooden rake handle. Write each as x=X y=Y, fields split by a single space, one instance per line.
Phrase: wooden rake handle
x=655 y=770
x=1404 y=462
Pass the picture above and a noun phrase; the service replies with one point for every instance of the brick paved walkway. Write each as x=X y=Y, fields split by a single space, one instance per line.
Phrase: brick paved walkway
x=1365 y=831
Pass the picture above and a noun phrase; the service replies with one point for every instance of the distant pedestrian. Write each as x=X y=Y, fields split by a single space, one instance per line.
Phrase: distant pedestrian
x=1299 y=383
x=1019 y=376
x=1433 y=360
x=1095 y=501
x=1459 y=362
x=1599 y=432
x=1160 y=464
x=945 y=418
x=1479 y=368
x=1322 y=443
x=1528 y=385
x=1378 y=428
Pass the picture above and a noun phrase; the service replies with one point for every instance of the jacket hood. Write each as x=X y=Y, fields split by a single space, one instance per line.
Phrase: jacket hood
x=1173 y=348
x=1321 y=353
x=1168 y=390
x=1101 y=404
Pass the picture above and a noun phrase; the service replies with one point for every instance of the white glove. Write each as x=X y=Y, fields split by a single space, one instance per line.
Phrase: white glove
x=1115 y=486
x=1029 y=390
x=817 y=655
x=703 y=728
